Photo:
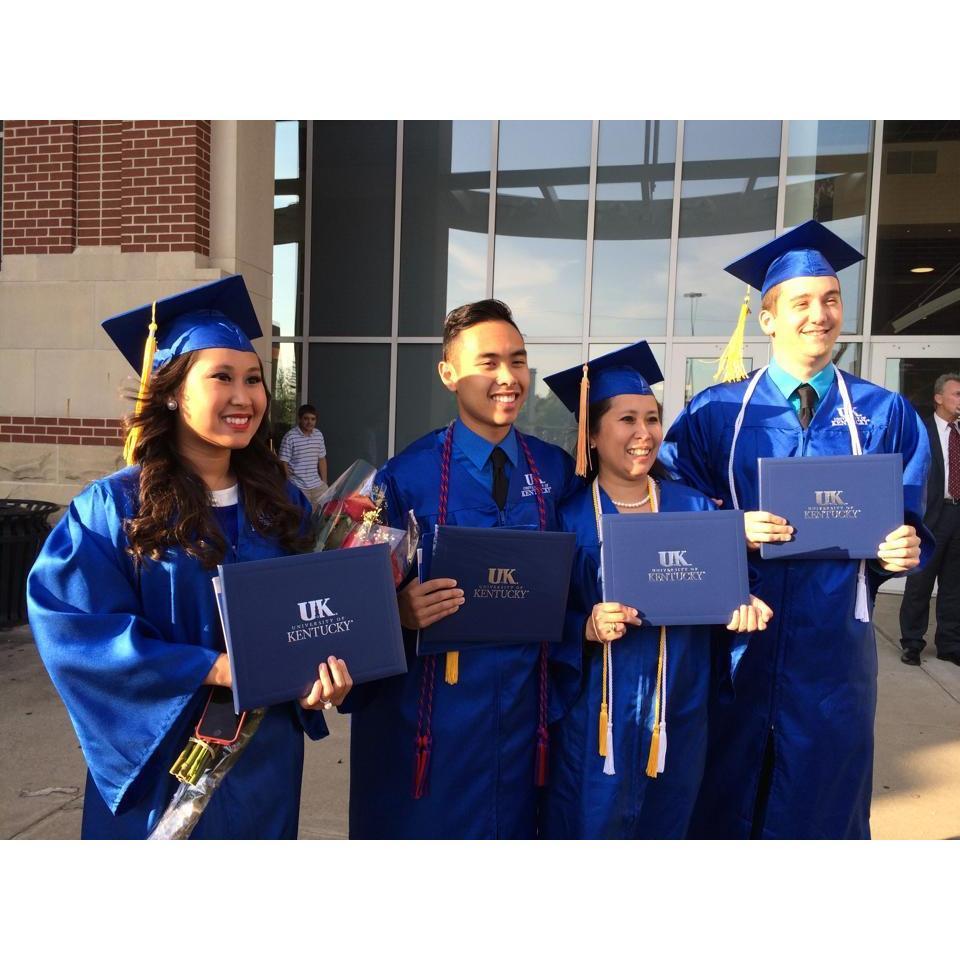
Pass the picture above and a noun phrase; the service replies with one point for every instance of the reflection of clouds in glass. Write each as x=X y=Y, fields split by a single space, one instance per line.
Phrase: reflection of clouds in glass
x=471 y=146
x=282 y=200
x=730 y=139
x=629 y=287
x=526 y=144
x=285 y=289
x=700 y=263
x=542 y=280
x=466 y=267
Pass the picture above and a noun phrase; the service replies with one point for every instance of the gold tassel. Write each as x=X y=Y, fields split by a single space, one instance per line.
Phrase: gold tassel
x=149 y=349
x=653 y=758
x=451 y=672
x=730 y=365
x=604 y=715
x=583 y=426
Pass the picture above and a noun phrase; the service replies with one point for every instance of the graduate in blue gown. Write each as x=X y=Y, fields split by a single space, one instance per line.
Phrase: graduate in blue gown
x=792 y=755
x=623 y=690
x=432 y=758
x=120 y=599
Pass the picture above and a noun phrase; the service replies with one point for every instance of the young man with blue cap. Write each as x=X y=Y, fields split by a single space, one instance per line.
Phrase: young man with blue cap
x=457 y=747
x=791 y=757
x=121 y=601
x=611 y=775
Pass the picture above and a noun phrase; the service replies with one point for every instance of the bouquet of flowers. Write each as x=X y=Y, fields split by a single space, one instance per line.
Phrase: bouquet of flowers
x=350 y=514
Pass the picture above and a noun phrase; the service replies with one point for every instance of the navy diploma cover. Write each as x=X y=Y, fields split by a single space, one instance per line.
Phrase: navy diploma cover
x=840 y=507
x=514 y=583
x=676 y=568
x=283 y=617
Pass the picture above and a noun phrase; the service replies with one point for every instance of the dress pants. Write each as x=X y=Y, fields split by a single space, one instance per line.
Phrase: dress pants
x=944 y=567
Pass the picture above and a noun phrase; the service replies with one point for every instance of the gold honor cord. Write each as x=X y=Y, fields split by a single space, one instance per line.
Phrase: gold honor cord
x=149 y=349
x=730 y=365
x=658 y=742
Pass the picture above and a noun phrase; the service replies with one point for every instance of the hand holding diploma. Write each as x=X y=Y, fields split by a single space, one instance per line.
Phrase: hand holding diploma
x=331 y=687
x=763 y=527
x=748 y=618
x=424 y=603
x=608 y=621
x=900 y=551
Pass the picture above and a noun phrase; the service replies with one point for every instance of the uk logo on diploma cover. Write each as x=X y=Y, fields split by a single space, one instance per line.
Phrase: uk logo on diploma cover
x=317 y=620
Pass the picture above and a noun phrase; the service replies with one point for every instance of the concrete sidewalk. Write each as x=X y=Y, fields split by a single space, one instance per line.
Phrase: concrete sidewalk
x=916 y=777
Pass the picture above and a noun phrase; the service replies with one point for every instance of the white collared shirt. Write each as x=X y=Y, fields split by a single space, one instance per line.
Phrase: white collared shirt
x=943 y=429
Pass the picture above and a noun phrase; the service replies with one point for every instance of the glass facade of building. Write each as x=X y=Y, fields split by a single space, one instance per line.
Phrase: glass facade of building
x=596 y=233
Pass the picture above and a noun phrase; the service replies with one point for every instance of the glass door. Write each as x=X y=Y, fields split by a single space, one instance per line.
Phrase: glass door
x=910 y=367
x=692 y=368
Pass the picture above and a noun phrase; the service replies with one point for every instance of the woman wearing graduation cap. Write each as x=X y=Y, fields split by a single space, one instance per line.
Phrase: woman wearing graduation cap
x=791 y=756
x=620 y=685
x=120 y=599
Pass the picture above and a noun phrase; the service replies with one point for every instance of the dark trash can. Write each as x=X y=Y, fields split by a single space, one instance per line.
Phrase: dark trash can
x=23 y=528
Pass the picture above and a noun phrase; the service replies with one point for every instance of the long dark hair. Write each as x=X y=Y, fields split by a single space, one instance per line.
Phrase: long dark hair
x=597 y=411
x=175 y=506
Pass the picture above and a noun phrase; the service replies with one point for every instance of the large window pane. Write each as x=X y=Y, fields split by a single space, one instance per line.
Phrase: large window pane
x=631 y=251
x=828 y=179
x=445 y=220
x=728 y=206
x=917 y=279
x=542 y=184
x=350 y=387
x=284 y=389
x=354 y=184
x=423 y=402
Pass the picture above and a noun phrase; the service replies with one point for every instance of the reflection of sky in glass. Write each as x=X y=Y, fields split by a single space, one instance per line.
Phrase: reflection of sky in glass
x=282 y=200
x=285 y=290
x=286 y=164
x=541 y=240
x=471 y=146
x=728 y=207
x=466 y=267
x=631 y=255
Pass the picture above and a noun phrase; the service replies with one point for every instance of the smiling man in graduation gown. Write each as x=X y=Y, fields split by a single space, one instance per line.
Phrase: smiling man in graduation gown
x=792 y=755
x=451 y=749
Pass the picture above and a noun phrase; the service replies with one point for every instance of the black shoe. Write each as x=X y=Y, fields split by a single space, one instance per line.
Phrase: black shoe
x=911 y=656
x=950 y=657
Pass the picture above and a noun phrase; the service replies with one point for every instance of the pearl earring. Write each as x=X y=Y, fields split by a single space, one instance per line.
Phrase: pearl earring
x=172 y=404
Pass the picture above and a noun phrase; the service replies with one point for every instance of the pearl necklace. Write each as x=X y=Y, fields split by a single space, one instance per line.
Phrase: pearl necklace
x=631 y=506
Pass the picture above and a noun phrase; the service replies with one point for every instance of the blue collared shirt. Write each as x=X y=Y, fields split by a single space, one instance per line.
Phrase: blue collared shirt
x=787 y=383
x=476 y=451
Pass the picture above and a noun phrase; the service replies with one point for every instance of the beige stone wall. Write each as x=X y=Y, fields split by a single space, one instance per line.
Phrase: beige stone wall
x=55 y=360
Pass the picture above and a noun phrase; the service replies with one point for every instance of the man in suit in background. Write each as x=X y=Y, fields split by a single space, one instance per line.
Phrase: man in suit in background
x=942 y=518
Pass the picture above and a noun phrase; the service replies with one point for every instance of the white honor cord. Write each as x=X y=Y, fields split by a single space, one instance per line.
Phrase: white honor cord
x=862 y=608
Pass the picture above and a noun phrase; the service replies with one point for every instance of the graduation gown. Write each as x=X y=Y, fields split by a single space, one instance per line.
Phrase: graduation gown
x=128 y=650
x=481 y=777
x=791 y=756
x=581 y=800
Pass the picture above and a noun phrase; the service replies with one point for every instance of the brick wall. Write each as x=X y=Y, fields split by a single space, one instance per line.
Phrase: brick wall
x=77 y=431
x=39 y=186
x=99 y=169
x=166 y=186
x=141 y=184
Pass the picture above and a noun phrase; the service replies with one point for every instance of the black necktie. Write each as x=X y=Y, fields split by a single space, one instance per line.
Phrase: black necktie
x=499 y=460
x=808 y=397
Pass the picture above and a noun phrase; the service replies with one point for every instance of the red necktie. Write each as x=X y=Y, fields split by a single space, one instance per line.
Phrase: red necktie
x=953 y=458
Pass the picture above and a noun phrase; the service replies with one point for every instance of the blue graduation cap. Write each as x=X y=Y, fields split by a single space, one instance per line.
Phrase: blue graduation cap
x=809 y=250
x=218 y=314
x=629 y=370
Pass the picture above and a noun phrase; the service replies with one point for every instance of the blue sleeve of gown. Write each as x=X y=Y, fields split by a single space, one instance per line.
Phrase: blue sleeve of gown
x=123 y=684
x=686 y=454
